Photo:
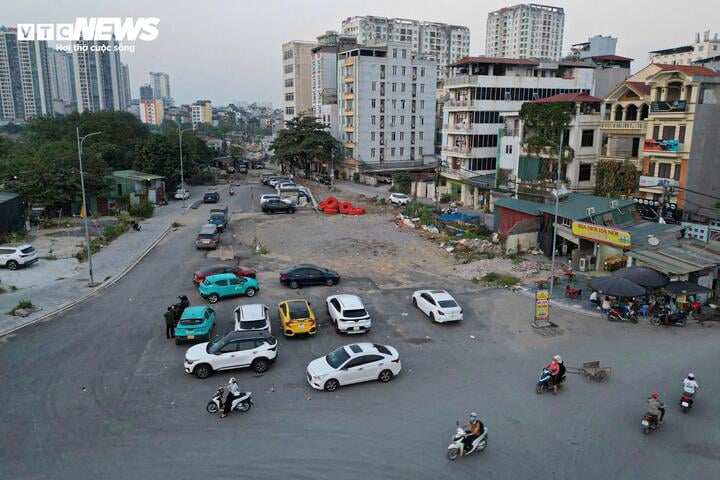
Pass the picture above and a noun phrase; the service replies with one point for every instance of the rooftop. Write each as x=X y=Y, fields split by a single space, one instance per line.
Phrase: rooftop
x=575 y=206
x=615 y=58
x=668 y=51
x=687 y=70
x=4 y=196
x=524 y=206
x=506 y=61
x=576 y=97
x=640 y=88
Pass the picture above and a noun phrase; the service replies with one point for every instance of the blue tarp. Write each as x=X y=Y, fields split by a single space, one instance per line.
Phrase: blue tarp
x=459 y=217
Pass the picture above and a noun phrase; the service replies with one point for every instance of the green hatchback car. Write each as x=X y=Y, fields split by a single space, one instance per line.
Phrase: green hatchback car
x=196 y=323
x=215 y=287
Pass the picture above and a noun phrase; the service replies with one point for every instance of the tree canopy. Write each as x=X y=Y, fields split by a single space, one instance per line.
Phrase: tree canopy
x=613 y=178
x=304 y=139
x=542 y=125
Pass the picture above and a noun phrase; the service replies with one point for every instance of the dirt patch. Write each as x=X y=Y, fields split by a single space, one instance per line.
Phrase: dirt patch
x=526 y=271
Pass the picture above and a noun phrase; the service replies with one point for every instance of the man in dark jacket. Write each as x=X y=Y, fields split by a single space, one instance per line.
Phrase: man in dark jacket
x=169 y=323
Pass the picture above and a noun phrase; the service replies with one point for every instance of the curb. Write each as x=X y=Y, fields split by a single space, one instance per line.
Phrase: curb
x=73 y=303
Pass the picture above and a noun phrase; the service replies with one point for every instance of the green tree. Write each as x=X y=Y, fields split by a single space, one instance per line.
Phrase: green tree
x=613 y=178
x=543 y=123
x=236 y=151
x=303 y=140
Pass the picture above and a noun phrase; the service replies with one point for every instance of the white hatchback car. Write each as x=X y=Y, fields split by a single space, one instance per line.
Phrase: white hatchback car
x=252 y=318
x=181 y=194
x=399 y=199
x=348 y=314
x=355 y=363
x=15 y=255
x=439 y=305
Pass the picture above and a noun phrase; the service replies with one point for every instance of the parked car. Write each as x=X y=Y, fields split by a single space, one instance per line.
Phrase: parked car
x=439 y=305
x=211 y=197
x=399 y=199
x=257 y=350
x=296 y=316
x=216 y=287
x=273 y=196
x=265 y=177
x=181 y=194
x=305 y=274
x=16 y=255
x=195 y=323
x=324 y=179
x=255 y=316
x=358 y=362
x=278 y=205
x=217 y=219
x=208 y=237
x=243 y=168
x=348 y=314
x=274 y=181
x=218 y=268
x=230 y=169
x=259 y=165
x=285 y=184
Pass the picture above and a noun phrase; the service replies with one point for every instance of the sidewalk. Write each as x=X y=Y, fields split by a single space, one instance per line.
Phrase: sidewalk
x=109 y=265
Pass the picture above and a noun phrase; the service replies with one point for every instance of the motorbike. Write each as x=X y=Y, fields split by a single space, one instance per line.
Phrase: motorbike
x=650 y=423
x=617 y=315
x=457 y=446
x=179 y=307
x=135 y=226
x=667 y=319
x=241 y=403
x=231 y=191
x=686 y=402
x=545 y=381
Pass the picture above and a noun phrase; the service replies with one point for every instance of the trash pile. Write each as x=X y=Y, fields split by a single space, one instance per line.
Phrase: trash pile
x=332 y=206
x=466 y=250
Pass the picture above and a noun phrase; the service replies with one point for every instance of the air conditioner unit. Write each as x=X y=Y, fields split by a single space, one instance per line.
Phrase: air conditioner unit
x=583 y=264
x=614 y=204
x=590 y=211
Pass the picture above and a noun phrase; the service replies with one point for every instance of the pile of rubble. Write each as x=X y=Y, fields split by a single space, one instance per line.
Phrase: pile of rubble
x=526 y=270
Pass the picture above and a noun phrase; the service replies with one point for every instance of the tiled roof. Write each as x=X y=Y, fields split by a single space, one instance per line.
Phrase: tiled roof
x=617 y=58
x=688 y=70
x=507 y=61
x=638 y=87
x=570 y=97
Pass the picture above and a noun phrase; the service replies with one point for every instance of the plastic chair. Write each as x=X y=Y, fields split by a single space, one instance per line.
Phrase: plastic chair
x=645 y=310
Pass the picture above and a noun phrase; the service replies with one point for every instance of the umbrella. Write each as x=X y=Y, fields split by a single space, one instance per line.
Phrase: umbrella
x=680 y=286
x=617 y=286
x=645 y=276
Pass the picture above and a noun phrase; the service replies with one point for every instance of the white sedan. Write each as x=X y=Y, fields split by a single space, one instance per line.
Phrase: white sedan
x=273 y=196
x=439 y=305
x=354 y=363
x=182 y=194
x=399 y=199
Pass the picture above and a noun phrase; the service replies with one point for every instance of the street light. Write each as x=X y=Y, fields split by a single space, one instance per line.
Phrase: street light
x=80 y=141
x=182 y=176
x=557 y=206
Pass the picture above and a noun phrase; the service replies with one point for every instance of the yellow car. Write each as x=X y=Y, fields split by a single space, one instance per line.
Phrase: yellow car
x=296 y=316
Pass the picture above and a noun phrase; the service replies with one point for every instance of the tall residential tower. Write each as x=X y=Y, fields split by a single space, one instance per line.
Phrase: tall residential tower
x=525 y=31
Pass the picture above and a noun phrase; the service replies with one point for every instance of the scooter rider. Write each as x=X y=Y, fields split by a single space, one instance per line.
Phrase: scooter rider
x=655 y=407
x=476 y=428
x=233 y=390
x=690 y=385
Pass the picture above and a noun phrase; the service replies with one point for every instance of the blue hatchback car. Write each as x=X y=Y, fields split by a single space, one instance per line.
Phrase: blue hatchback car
x=215 y=287
x=196 y=323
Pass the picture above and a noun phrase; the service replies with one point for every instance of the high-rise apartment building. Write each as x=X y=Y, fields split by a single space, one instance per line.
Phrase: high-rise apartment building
x=152 y=112
x=323 y=76
x=702 y=49
x=160 y=83
x=386 y=99
x=99 y=79
x=126 y=84
x=525 y=31
x=201 y=112
x=62 y=81
x=438 y=42
x=297 y=85
x=25 y=90
x=146 y=92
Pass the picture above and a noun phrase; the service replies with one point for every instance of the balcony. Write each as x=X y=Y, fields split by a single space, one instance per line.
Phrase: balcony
x=349 y=61
x=511 y=132
x=457 y=173
x=635 y=161
x=349 y=112
x=461 y=105
x=348 y=96
x=469 y=80
x=349 y=129
x=457 y=128
x=628 y=127
x=349 y=79
x=457 y=151
x=349 y=145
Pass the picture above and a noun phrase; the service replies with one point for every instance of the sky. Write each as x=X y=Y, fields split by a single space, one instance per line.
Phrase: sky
x=228 y=50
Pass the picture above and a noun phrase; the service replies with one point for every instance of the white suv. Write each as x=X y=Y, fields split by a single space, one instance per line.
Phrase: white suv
x=252 y=318
x=399 y=199
x=348 y=314
x=256 y=350
x=14 y=255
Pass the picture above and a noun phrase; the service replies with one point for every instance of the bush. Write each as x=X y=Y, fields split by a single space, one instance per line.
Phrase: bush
x=96 y=244
x=499 y=280
x=356 y=177
x=343 y=175
x=402 y=181
x=22 y=304
x=203 y=177
x=445 y=198
x=143 y=210
x=16 y=236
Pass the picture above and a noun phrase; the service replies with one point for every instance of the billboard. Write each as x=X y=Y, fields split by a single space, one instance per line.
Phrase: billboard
x=601 y=234
x=657 y=182
x=668 y=106
x=652 y=144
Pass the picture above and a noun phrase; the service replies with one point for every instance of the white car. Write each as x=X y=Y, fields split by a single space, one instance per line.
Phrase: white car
x=15 y=255
x=273 y=196
x=274 y=181
x=348 y=314
x=355 y=363
x=181 y=194
x=399 y=199
x=256 y=350
x=252 y=318
x=439 y=305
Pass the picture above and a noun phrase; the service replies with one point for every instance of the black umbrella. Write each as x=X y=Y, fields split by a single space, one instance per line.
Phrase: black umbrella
x=645 y=276
x=617 y=287
x=680 y=286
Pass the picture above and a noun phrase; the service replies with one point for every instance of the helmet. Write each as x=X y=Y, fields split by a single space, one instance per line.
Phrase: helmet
x=473 y=414
x=558 y=358
x=691 y=376
x=232 y=380
x=654 y=396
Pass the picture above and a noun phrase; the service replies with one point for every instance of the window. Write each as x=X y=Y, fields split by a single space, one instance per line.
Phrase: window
x=393 y=87
x=420 y=151
x=404 y=53
x=585 y=172
x=289 y=82
x=402 y=104
x=394 y=69
x=394 y=103
x=403 y=68
x=372 y=103
x=656 y=132
x=676 y=174
x=651 y=169
x=392 y=152
x=422 y=134
x=402 y=87
x=373 y=85
x=668 y=132
x=289 y=110
x=289 y=97
x=402 y=136
x=422 y=71
x=681 y=134
x=402 y=151
x=587 y=139
x=229 y=347
x=372 y=120
x=372 y=136
x=392 y=136
x=422 y=88
x=394 y=52
x=508 y=149
x=372 y=153
x=402 y=119
x=664 y=170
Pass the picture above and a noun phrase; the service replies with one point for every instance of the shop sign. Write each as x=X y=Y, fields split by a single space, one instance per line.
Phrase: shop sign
x=657 y=182
x=601 y=234
x=542 y=305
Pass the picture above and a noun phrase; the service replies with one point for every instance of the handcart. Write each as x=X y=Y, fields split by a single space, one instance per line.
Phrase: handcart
x=591 y=370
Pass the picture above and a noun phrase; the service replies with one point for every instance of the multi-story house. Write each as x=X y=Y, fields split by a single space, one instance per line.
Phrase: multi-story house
x=525 y=31
x=664 y=119
x=297 y=88
x=687 y=54
x=99 y=78
x=481 y=129
x=152 y=112
x=386 y=106
x=324 y=77
x=438 y=42
x=201 y=112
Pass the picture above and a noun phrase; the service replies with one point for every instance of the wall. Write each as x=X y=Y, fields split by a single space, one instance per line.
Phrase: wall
x=702 y=175
x=508 y=218
x=520 y=243
x=607 y=79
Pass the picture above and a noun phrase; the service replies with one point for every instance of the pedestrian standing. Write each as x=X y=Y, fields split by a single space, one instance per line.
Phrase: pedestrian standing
x=169 y=323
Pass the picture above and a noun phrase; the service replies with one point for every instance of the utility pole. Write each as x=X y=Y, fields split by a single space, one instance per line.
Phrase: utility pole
x=557 y=206
x=437 y=183
x=182 y=175
x=80 y=141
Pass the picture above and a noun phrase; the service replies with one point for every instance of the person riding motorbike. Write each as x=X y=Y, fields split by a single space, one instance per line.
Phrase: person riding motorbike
x=232 y=191
x=655 y=407
x=233 y=390
x=179 y=307
x=690 y=385
x=475 y=428
x=554 y=367
x=558 y=379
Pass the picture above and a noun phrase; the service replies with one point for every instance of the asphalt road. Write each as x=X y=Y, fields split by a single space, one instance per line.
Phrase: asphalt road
x=100 y=392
